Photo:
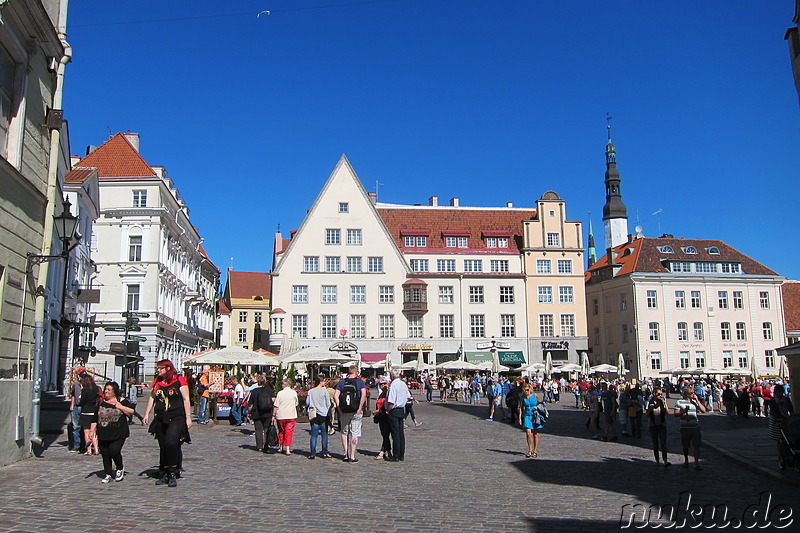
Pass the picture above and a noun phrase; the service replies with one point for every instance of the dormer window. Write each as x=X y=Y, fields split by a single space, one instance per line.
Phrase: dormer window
x=415 y=241
x=713 y=250
x=666 y=250
x=689 y=250
x=344 y=207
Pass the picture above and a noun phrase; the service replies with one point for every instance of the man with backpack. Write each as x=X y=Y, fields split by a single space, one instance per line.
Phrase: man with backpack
x=350 y=397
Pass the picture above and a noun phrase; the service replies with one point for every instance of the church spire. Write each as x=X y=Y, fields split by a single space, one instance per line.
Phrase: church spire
x=615 y=214
x=592 y=250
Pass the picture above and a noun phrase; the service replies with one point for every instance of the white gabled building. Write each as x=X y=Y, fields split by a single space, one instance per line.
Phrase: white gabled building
x=149 y=260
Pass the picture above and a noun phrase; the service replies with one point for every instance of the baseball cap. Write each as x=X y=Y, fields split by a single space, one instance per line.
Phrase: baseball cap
x=383 y=379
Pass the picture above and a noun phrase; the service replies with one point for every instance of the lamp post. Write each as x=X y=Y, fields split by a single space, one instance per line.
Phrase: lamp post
x=66 y=225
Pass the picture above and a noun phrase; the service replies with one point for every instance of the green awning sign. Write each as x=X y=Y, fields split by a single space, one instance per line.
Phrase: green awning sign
x=478 y=357
x=511 y=358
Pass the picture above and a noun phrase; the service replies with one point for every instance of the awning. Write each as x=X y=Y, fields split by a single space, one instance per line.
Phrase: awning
x=511 y=358
x=478 y=357
x=373 y=357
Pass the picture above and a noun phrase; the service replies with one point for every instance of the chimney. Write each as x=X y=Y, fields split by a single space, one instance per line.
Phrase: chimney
x=509 y=204
x=91 y=148
x=133 y=138
x=373 y=197
x=433 y=201
x=454 y=202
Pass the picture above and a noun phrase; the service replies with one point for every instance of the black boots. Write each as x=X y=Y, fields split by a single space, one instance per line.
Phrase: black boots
x=167 y=477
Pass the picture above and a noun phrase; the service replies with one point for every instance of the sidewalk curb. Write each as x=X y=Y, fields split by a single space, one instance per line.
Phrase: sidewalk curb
x=749 y=465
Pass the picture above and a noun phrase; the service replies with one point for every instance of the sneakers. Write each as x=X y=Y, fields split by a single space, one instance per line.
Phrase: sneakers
x=120 y=474
x=490 y=420
x=106 y=479
x=417 y=423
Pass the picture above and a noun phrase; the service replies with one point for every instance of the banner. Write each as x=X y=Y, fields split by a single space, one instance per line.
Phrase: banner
x=511 y=358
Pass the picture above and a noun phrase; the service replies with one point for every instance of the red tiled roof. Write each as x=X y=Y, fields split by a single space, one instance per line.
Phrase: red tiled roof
x=117 y=158
x=222 y=308
x=791 y=305
x=79 y=174
x=443 y=221
x=249 y=284
x=643 y=255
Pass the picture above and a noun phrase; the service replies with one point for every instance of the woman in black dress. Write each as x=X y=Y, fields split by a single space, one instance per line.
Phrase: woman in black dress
x=90 y=397
x=112 y=430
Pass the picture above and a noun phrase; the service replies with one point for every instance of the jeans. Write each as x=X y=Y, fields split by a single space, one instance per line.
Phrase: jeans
x=236 y=412
x=397 y=431
x=659 y=436
x=202 y=410
x=476 y=397
x=75 y=418
x=636 y=425
x=319 y=427
x=429 y=393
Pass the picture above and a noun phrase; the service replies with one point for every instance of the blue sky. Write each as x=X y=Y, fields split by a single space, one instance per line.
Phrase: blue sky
x=490 y=101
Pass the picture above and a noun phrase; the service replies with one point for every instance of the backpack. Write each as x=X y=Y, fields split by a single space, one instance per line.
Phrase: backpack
x=348 y=398
x=264 y=401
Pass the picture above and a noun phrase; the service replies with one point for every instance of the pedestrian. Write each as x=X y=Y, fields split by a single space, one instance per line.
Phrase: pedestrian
x=636 y=410
x=169 y=398
x=657 y=423
x=381 y=417
x=204 y=394
x=285 y=413
x=729 y=400
x=595 y=407
x=318 y=403
x=608 y=396
x=133 y=398
x=90 y=397
x=781 y=409
x=75 y=413
x=428 y=387
x=529 y=421
x=410 y=408
x=624 y=402
x=349 y=398
x=686 y=409
x=260 y=406
x=237 y=409
x=112 y=430
x=396 y=400
x=497 y=400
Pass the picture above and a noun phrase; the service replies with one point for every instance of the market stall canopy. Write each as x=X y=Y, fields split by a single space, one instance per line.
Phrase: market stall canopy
x=569 y=367
x=314 y=354
x=232 y=355
x=460 y=365
x=604 y=368
x=417 y=364
x=373 y=357
x=494 y=367
x=533 y=367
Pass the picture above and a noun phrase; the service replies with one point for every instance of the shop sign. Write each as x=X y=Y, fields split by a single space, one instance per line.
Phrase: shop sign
x=415 y=347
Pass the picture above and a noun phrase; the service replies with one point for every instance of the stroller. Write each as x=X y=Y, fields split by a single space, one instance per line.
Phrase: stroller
x=789 y=444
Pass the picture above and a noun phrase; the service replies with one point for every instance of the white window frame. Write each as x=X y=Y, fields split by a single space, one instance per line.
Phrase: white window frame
x=506 y=293
x=446 y=294
x=476 y=294
x=354 y=237
x=299 y=294
x=386 y=294
x=358 y=294
x=565 y=266
x=543 y=266
x=333 y=236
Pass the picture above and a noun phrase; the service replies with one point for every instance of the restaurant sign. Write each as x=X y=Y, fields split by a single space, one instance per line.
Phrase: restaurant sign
x=419 y=347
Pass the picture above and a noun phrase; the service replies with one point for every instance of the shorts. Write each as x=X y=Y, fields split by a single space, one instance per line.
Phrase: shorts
x=351 y=424
x=498 y=400
x=87 y=419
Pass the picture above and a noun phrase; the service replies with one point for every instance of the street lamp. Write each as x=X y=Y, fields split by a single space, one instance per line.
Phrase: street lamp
x=66 y=225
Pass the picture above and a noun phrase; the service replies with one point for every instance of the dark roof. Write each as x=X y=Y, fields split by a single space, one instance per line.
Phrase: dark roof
x=248 y=285
x=791 y=305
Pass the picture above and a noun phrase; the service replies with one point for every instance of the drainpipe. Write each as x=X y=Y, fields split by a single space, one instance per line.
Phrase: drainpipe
x=52 y=182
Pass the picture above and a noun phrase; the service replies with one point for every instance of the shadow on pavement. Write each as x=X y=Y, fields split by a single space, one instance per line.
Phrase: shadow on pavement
x=566 y=524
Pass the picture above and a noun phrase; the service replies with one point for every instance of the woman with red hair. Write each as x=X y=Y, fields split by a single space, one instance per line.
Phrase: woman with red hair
x=173 y=418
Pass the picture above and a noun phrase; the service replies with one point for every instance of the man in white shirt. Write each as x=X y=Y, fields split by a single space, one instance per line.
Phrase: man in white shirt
x=239 y=416
x=396 y=400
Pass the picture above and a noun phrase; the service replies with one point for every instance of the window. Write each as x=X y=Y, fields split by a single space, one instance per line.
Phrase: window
x=450 y=242
x=408 y=241
x=502 y=242
x=329 y=294
x=568 y=325
x=655 y=335
x=477 y=327
x=242 y=316
x=133 y=298
x=415 y=294
x=476 y=294
x=698 y=331
x=386 y=294
x=545 y=295
x=624 y=333
x=139 y=198
x=445 y=295
x=683 y=332
x=358 y=326
x=597 y=336
x=333 y=264
x=386 y=326
x=310 y=264
x=333 y=236
x=712 y=250
x=257 y=317
x=705 y=267
x=300 y=326
x=743 y=359
x=730 y=268
x=766 y=328
x=242 y=334
x=769 y=358
x=680 y=299
x=738 y=300
x=344 y=207
x=696 y=301
x=681 y=266
x=498 y=265
x=473 y=265
x=135 y=248
x=463 y=242
x=655 y=360
x=689 y=250
x=415 y=326
x=446 y=328
x=506 y=295
x=445 y=265
x=666 y=249
x=354 y=264
x=328 y=330
x=543 y=266
x=497 y=242
x=553 y=239
x=699 y=359
x=565 y=266
x=741 y=331
x=491 y=242
x=565 y=295
x=727 y=359
x=419 y=265
x=358 y=294
x=546 y=327
x=725 y=331
x=300 y=294
x=415 y=242
x=595 y=307
x=354 y=237
x=623 y=301
x=722 y=299
x=375 y=264
x=7 y=70
x=652 y=300
x=684 y=359
x=508 y=326
x=763 y=299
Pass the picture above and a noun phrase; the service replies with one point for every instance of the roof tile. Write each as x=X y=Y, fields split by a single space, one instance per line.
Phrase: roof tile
x=118 y=158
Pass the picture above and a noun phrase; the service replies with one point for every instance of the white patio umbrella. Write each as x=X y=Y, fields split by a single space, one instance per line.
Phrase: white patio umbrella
x=533 y=367
x=569 y=367
x=387 y=364
x=232 y=355
x=488 y=365
x=314 y=354
x=585 y=367
x=457 y=365
x=548 y=365
x=621 y=370
x=783 y=369
x=496 y=362
x=604 y=368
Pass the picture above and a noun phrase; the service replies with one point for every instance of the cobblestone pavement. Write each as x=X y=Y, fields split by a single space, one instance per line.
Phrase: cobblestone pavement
x=462 y=473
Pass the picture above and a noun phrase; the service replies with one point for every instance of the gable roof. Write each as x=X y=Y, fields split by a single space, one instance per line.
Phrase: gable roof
x=645 y=255
x=222 y=308
x=247 y=285
x=791 y=305
x=117 y=158
x=79 y=174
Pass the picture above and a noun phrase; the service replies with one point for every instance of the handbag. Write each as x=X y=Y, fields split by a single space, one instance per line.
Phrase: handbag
x=312 y=413
x=272 y=435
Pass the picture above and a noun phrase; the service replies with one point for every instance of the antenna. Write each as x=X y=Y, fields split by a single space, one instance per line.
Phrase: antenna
x=231 y=268
x=377 y=186
x=658 y=213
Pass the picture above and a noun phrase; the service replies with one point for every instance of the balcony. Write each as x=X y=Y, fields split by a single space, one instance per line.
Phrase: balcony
x=415 y=308
x=415 y=297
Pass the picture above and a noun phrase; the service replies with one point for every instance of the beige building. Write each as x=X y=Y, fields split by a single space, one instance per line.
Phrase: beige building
x=689 y=304
x=243 y=311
